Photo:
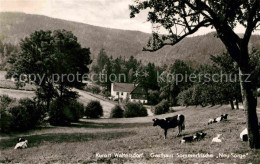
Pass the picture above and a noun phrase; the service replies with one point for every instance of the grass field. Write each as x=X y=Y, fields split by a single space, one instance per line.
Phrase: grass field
x=84 y=98
x=84 y=141
x=9 y=84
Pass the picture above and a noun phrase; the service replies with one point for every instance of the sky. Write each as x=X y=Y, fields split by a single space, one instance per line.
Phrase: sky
x=105 y=13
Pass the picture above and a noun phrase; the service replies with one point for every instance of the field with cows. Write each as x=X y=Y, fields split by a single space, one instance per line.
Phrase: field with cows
x=135 y=140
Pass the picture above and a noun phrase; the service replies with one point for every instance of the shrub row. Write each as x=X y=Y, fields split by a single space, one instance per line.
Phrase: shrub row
x=63 y=112
x=131 y=110
x=20 y=116
x=135 y=110
x=161 y=108
x=26 y=114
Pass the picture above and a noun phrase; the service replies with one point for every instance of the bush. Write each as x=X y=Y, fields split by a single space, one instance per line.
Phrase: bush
x=153 y=97
x=63 y=111
x=27 y=115
x=5 y=121
x=117 y=112
x=135 y=110
x=5 y=101
x=93 y=89
x=161 y=108
x=76 y=110
x=105 y=93
x=94 y=110
x=186 y=98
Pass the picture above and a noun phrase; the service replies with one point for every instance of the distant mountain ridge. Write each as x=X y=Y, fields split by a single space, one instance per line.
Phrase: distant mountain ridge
x=125 y=43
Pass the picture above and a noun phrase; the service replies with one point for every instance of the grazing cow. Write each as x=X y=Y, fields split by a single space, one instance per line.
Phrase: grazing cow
x=217 y=139
x=22 y=143
x=244 y=135
x=198 y=136
x=170 y=122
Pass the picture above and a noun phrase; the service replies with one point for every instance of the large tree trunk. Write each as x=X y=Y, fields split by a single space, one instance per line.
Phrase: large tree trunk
x=238 y=50
x=237 y=103
x=249 y=103
x=232 y=104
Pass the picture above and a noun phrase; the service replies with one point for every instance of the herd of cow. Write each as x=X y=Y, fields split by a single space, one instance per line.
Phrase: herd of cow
x=172 y=122
x=179 y=121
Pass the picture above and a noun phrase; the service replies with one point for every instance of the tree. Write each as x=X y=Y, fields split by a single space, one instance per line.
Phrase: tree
x=117 y=112
x=181 y=18
x=54 y=61
x=229 y=89
x=173 y=80
x=101 y=60
x=94 y=109
x=106 y=72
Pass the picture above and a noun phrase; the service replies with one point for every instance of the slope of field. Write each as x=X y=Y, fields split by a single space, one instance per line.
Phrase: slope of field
x=16 y=26
x=84 y=98
x=83 y=142
x=9 y=84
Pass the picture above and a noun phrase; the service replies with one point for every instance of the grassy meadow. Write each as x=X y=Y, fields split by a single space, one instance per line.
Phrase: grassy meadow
x=87 y=140
x=9 y=84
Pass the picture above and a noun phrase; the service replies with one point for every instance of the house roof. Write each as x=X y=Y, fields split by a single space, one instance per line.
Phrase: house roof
x=123 y=87
x=139 y=90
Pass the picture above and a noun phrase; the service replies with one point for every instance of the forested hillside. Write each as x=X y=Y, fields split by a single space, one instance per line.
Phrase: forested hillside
x=15 y=26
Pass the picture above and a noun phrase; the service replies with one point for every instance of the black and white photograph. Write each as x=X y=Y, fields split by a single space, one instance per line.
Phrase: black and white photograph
x=130 y=81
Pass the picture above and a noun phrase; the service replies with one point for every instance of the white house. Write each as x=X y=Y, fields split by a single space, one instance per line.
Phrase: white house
x=123 y=91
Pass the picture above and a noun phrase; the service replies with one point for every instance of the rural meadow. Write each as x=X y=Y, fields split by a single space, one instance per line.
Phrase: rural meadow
x=133 y=81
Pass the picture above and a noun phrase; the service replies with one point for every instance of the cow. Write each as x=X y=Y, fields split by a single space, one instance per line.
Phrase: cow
x=198 y=136
x=244 y=135
x=224 y=116
x=21 y=140
x=218 y=119
x=217 y=139
x=211 y=121
x=187 y=139
x=171 y=122
x=22 y=144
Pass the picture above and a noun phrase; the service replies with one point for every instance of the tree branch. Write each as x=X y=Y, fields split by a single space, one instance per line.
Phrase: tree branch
x=176 y=40
x=251 y=23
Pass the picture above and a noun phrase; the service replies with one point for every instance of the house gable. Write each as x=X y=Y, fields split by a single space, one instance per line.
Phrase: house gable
x=139 y=92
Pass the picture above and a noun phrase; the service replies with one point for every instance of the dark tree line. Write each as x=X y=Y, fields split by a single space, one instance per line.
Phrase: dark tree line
x=165 y=83
x=124 y=70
